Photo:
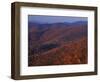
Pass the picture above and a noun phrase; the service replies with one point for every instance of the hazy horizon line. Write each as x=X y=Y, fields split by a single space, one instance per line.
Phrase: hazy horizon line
x=55 y=19
x=54 y=22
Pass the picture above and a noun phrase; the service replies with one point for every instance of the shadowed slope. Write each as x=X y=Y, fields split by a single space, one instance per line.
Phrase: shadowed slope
x=57 y=44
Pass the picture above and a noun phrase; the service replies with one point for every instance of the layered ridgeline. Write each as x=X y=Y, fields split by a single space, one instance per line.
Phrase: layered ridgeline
x=57 y=43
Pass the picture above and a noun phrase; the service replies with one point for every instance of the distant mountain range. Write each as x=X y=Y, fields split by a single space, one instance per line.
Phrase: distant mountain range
x=44 y=40
x=38 y=25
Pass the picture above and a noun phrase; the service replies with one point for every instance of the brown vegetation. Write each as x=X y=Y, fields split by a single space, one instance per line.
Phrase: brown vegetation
x=57 y=45
x=71 y=53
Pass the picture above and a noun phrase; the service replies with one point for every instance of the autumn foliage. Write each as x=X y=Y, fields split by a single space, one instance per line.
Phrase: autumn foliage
x=58 y=45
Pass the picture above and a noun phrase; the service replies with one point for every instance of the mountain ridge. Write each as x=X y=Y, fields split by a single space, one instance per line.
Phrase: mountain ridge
x=43 y=38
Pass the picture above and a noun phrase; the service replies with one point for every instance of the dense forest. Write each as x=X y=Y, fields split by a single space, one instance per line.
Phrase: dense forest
x=57 y=43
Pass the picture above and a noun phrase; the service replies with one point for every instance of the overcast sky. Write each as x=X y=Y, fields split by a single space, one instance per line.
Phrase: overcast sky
x=54 y=19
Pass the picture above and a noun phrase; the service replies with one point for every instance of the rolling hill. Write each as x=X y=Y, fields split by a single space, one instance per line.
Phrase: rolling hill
x=57 y=43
